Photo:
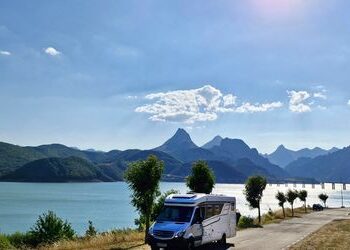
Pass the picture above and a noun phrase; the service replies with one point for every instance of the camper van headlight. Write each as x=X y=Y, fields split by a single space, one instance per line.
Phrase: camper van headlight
x=180 y=234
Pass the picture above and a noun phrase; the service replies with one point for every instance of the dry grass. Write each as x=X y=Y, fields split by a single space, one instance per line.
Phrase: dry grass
x=277 y=216
x=335 y=235
x=116 y=240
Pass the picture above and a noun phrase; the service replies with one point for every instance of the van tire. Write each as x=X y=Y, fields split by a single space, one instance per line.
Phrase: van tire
x=190 y=245
x=223 y=240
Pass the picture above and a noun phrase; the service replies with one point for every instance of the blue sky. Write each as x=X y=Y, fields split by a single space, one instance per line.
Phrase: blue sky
x=127 y=74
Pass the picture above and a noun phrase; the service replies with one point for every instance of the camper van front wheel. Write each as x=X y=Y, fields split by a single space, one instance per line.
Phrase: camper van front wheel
x=223 y=240
x=190 y=245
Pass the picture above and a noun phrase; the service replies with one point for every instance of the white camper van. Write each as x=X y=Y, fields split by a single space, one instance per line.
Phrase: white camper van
x=190 y=220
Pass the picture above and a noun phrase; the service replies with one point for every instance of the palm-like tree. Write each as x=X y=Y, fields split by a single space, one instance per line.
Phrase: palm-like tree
x=281 y=200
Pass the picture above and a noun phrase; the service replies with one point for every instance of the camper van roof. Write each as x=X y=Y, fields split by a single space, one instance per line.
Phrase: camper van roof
x=196 y=198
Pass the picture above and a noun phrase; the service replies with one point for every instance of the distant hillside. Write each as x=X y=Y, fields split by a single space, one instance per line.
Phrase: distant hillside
x=232 y=161
x=71 y=169
x=283 y=156
x=181 y=147
x=333 y=167
x=235 y=149
x=13 y=156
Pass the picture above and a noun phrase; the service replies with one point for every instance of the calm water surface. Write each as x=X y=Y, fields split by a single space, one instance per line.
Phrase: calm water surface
x=107 y=204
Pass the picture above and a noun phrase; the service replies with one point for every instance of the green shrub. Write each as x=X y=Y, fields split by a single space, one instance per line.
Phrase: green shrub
x=19 y=240
x=5 y=243
x=91 y=231
x=246 y=222
x=49 y=229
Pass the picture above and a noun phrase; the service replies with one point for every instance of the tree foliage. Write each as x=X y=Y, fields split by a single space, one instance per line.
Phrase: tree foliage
x=143 y=178
x=49 y=228
x=253 y=192
x=202 y=178
x=302 y=196
x=291 y=196
x=91 y=230
x=281 y=200
x=323 y=197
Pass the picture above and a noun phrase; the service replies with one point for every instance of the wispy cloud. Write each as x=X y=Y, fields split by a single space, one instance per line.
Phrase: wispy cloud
x=52 y=51
x=320 y=95
x=250 y=108
x=349 y=102
x=5 y=53
x=297 y=101
x=196 y=105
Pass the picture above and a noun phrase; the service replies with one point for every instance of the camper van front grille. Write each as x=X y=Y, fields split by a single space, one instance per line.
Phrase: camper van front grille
x=163 y=234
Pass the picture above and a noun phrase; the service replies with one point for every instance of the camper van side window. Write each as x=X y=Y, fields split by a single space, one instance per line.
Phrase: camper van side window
x=218 y=209
x=209 y=211
x=233 y=208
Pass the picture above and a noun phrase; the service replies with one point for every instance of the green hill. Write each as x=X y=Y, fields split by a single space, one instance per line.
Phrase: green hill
x=13 y=156
x=71 y=169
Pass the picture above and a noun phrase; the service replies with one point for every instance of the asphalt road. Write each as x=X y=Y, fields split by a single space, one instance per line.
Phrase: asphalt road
x=286 y=233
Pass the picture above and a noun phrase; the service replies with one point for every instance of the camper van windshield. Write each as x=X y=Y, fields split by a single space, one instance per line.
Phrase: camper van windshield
x=175 y=213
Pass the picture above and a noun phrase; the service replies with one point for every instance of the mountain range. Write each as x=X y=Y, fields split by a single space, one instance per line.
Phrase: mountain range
x=232 y=161
x=283 y=156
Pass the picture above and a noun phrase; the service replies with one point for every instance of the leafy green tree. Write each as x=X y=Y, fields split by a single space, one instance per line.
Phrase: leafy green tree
x=91 y=231
x=202 y=178
x=143 y=178
x=323 y=197
x=254 y=187
x=281 y=200
x=291 y=196
x=49 y=228
x=302 y=196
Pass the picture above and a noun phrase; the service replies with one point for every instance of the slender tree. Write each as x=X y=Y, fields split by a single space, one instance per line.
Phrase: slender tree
x=254 y=187
x=302 y=196
x=323 y=197
x=291 y=196
x=202 y=178
x=281 y=200
x=143 y=178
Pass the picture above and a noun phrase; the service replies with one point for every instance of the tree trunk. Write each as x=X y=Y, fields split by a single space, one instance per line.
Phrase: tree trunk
x=284 y=214
x=292 y=211
x=305 y=206
x=147 y=227
x=259 y=212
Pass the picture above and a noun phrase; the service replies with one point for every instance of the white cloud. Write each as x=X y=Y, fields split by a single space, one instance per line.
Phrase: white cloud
x=5 y=53
x=296 y=101
x=250 y=108
x=320 y=95
x=349 y=102
x=52 y=51
x=196 y=105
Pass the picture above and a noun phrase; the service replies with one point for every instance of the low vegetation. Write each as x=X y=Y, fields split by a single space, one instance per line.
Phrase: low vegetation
x=334 y=235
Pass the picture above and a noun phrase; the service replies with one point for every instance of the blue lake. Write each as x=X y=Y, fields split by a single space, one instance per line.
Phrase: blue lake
x=108 y=204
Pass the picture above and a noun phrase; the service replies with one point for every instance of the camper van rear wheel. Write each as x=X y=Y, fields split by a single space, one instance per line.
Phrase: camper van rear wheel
x=223 y=240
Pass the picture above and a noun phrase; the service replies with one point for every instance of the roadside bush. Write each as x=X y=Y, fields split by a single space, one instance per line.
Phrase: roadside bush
x=5 y=243
x=246 y=222
x=19 y=240
x=49 y=229
x=91 y=231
